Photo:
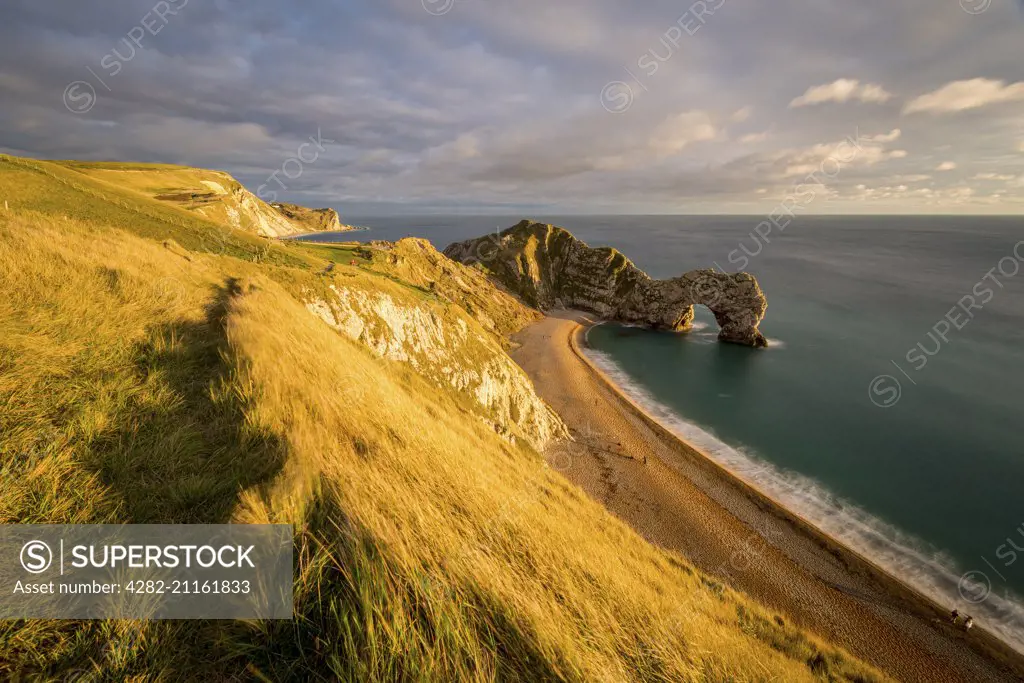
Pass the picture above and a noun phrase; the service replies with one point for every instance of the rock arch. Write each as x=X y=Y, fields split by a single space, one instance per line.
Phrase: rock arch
x=549 y=268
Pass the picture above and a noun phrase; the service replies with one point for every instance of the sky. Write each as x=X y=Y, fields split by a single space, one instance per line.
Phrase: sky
x=560 y=107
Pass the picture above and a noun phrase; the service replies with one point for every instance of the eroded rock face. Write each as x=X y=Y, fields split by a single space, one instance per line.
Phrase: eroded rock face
x=549 y=268
x=454 y=338
x=316 y=220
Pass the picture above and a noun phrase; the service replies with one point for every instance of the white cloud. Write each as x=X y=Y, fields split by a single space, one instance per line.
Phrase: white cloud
x=741 y=115
x=752 y=138
x=958 y=194
x=994 y=176
x=892 y=135
x=822 y=158
x=679 y=131
x=842 y=90
x=946 y=166
x=963 y=95
x=463 y=148
x=874 y=93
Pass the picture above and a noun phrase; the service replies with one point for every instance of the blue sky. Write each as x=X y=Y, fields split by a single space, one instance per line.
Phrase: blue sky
x=508 y=106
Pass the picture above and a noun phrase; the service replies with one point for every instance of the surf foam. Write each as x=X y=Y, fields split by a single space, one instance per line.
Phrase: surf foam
x=913 y=561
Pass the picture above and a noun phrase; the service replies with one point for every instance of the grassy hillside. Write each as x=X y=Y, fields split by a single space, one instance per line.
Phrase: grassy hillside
x=156 y=366
x=213 y=195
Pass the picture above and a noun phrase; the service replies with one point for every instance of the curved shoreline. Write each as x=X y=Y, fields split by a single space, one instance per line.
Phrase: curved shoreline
x=681 y=498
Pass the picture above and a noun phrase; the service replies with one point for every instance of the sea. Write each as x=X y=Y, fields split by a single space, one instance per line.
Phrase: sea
x=888 y=409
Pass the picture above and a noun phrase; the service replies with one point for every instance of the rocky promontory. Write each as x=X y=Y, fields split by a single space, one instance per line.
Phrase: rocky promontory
x=318 y=220
x=550 y=268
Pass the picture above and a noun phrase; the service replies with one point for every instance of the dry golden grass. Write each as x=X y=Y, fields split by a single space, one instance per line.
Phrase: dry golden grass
x=150 y=383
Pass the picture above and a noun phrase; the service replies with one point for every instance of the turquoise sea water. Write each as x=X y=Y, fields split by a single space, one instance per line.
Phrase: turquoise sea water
x=889 y=408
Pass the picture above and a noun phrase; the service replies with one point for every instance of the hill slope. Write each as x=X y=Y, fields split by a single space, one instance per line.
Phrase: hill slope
x=156 y=366
x=212 y=194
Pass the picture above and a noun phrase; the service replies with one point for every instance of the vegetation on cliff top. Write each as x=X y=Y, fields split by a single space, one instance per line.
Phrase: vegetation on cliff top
x=158 y=366
x=214 y=195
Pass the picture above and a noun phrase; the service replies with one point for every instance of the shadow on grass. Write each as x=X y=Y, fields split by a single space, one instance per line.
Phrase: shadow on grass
x=360 y=612
x=362 y=616
x=180 y=450
x=188 y=451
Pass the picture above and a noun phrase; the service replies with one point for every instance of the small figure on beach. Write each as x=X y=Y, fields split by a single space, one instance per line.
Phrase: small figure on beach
x=955 y=616
x=968 y=623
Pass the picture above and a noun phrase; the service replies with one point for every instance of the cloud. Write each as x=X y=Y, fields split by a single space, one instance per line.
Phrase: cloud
x=751 y=138
x=842 y=90
x=677 y=132
x=946 y=166
x=498 y=105
x=741 y=115
x=995 y=176
x=828 y=158
x=964 y=95
x=892 y=135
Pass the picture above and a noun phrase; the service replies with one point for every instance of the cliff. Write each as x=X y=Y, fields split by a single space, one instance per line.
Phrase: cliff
x=214 y=195
x=550 y=268
x=316 y=220
x=447 y=323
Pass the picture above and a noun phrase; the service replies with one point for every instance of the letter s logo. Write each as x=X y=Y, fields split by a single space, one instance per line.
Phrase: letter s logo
x=36 y=557
x=79 y=97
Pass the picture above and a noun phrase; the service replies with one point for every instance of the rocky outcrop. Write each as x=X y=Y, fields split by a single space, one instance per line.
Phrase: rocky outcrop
x=248 y=212
x=417 y=262
x=549 y=268
x=315 y=220
x=219 y=197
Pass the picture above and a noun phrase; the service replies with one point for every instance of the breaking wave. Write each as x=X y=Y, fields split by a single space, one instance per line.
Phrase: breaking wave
x=911 y=560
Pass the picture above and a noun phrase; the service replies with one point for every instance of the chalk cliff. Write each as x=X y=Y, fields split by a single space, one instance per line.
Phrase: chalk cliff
x=317 y=220
x=448 y=323
x=550 y=268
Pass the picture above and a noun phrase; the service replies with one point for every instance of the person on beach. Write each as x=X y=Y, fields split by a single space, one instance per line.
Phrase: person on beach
x=969 y=623
x=955 y=616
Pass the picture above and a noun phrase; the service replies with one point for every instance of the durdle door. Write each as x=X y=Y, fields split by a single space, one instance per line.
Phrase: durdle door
x=549 y=268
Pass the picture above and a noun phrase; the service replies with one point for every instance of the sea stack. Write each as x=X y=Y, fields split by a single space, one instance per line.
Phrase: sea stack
x=549 y=268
